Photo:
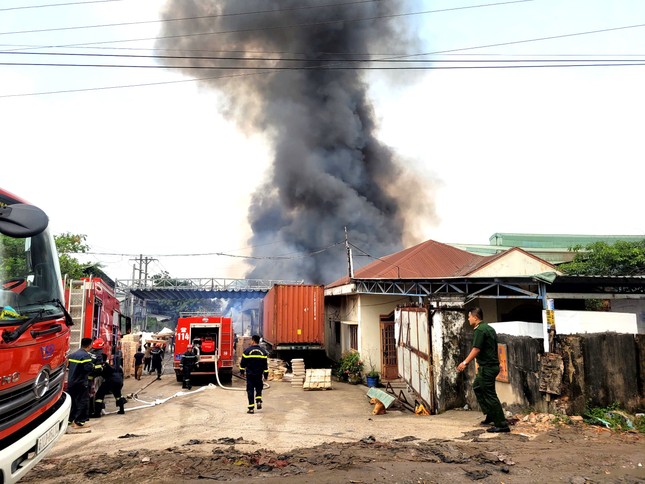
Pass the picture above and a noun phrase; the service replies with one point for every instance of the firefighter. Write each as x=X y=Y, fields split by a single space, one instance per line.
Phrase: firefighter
x=112 y=383
x=188 y=362
x=157 y=359
x=95 y=378
x=80 y=367
x=254 y=363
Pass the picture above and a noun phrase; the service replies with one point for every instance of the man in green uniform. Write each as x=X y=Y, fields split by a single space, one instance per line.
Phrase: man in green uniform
x=485 y=351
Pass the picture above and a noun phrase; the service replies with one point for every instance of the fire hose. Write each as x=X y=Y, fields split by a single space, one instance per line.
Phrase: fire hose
x=159 y=401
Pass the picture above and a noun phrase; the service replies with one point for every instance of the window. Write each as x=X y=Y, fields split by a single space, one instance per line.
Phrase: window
x=353 y=337
x=337 y=331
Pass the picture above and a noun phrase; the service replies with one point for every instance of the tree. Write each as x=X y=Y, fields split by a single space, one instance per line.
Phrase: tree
x=68 y=244
x=622 y=258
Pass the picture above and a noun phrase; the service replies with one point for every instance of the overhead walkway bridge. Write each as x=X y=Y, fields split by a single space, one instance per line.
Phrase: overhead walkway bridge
x=201 y=288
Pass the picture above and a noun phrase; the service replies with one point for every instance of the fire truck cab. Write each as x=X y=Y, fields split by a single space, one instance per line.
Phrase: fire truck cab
x=34 y=339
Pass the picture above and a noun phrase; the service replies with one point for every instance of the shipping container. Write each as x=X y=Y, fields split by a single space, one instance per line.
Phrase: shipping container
x=293 y=317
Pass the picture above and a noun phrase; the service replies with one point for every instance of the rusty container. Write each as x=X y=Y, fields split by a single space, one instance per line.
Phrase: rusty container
x=293 y=316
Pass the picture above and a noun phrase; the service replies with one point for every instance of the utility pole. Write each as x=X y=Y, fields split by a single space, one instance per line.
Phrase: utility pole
x=143 y=276
x=350 y=264
x=143 y=272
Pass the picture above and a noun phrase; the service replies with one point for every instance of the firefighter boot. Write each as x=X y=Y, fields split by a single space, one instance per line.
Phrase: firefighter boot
x=98 y=408
x=120 y=403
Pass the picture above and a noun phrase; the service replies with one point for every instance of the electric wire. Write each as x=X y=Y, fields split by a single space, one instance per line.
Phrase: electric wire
x=198 y=17
x=25 y=7
x=328 y=67
x=304 y=7
x=389 y=58
x=160 y=83
x=289 y=256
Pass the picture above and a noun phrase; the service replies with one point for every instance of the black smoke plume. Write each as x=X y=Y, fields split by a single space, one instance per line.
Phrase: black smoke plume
x=329 y=170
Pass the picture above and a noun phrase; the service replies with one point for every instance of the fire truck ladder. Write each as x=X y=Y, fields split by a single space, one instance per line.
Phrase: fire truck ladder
x=76 y=308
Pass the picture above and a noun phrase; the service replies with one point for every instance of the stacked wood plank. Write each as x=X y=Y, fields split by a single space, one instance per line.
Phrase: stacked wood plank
x=298 y=370
x=317 y=379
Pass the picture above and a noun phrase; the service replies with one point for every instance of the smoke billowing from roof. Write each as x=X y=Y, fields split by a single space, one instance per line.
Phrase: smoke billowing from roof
x=329 y=170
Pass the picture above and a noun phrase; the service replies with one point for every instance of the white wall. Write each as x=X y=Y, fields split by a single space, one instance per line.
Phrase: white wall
x=514 y=263
x=372 y=307
x=579 y=322
x=519 y=328
x=575 y=322
x=636 y=306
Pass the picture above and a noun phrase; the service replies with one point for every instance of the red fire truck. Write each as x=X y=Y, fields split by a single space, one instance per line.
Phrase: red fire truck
x=34 y=339
x=212 y=337
x=96 y=312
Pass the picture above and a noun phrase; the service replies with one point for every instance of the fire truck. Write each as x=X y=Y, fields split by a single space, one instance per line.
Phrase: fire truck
x=96 y=311
x=34 y=339
x=212 y=338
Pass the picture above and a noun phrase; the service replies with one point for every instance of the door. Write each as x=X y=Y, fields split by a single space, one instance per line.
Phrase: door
x=389 y=366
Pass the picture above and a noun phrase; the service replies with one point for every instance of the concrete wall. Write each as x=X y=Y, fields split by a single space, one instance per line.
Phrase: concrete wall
x=600 y=369
x=344 y=309
x=372 y=307
x=448 y=334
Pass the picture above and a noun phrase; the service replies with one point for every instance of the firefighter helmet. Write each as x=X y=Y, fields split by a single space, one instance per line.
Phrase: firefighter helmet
x=189 y=347
x=98 y=343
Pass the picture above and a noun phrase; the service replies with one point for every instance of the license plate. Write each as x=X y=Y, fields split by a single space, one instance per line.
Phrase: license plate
x=47 y=438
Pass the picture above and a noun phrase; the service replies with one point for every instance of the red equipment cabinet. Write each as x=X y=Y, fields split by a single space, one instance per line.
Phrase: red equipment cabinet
x=34 y=339
x=213 y=338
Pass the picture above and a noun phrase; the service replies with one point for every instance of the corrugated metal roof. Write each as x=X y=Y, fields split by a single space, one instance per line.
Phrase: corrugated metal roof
x=563 y=241
x=429 y=259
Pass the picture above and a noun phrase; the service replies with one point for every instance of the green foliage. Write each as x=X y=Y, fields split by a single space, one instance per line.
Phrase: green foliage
x=372 y=373
x=613 y=417
x=622 y=258
x=562 y=419
x=350 y=364
x=12 y=262
x=66 y=245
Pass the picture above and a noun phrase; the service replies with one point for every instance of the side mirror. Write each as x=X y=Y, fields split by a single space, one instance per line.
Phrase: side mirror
x=21 y=220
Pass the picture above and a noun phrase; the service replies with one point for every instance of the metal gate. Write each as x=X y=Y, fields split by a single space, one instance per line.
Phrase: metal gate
x=415 y=353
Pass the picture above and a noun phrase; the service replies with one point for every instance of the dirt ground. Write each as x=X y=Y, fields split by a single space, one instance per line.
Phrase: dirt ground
x=324 y=437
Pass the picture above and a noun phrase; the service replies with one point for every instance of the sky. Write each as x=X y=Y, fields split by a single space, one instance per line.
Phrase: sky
x=144 y=161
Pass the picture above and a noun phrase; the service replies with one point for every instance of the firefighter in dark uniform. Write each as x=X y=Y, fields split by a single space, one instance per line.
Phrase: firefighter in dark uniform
x=157 y=359
x=112 y=383
x=95 y=378
x=254 y=363
x=80 y=367
x=187 y=364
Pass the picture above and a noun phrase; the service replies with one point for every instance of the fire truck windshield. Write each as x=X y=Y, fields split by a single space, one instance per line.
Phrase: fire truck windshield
x=30 y=280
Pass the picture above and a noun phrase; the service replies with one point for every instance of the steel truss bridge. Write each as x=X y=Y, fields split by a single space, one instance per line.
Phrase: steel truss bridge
x=520 y=287
x=200 y=288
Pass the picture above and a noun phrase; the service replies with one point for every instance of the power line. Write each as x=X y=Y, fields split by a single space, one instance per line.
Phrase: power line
x=56 y=5
x=257 y=12
x=325 y=67
x=65 y=91
x=284 y=27
x=289 y=256
x=390 y=58
x=198 y=17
